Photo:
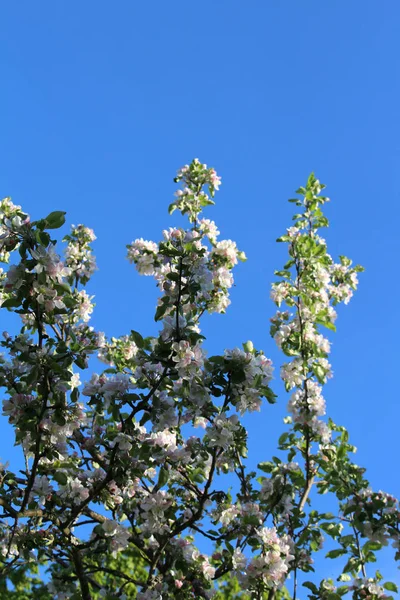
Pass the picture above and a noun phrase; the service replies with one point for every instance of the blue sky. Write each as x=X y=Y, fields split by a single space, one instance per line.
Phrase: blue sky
x=101 y=102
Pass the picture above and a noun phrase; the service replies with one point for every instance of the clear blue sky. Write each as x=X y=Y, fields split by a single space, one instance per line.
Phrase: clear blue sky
x=102 y=101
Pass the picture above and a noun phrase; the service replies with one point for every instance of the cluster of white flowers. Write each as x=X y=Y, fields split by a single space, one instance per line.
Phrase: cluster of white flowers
x=209 y=229
x=117 y=535
x=73 y=491
x=306 y=405
x=209 y=269
x=124 y=347
x=221 y=433
x=384 y=530
x=192 y=556
x=316 y=284
x=42 y=489
x=78 y=253
x=257 y=373
x=60 y=590
x=368 y=588
x=271 y=565
x=144 y=255
x=109 y=387
x=12 y=223
x=183 y=260
x=279 y=487
x=152 y=511
x=15 y=407
x=189 y=359
x=49 y=262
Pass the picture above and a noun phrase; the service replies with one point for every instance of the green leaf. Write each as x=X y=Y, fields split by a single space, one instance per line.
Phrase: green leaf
x=265 y=466
x=161 y=310
x=60 y=477
x=55 y=219
x=163 y=477
x=10 y=303
x=238 y=376
x=332 y=529
x=229 y=547
x=269 y=394
x=42 y=237
x=137 y=338
x=75 y=395
x=372 y=546
x=352 y=565
x=80 y=362
x=335 y=553
x=311 y=586
x=392 y=587
x=283 y=438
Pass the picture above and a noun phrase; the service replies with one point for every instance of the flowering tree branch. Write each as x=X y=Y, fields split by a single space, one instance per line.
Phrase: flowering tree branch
x=131 y=465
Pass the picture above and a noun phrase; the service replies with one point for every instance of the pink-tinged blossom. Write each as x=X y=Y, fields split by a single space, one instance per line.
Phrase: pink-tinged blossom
x=207 y=569
x=117 y=534
x=283 y=333
x=49 y=262
x=219 y=303
x=164 y=439
x=215 y=180
x=42 y=489
x=93 y=386
x=279 y=292
x=306 y=403
x=189 y=359
x=84 y=305
x=257 y=369
x=293 y=232
x=239 y=561
x=223 y=277
x=226 y=516
x=73 y=492
x=293 y=373
x=15 y=277
x=123 y=441
x=112 y=387
x=15 y=407
x=169 y=324
x=153 y=509
x=368 y=588
x=116 y=385
x=78 y=253
x=209 y=229
x=144 y=254
x=173 y=234
x=225 y=251
x=222 y=431
x=60 y=590
x=47 y=297
x=251 y=510
x=273 y=564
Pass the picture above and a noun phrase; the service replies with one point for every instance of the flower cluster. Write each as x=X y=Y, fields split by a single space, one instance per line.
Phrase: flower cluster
x=78 y=254
x=13 y=225
x=252 y=375
x=268 y=569
x=311 y=283
x=192 y=266
x=378 y=514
